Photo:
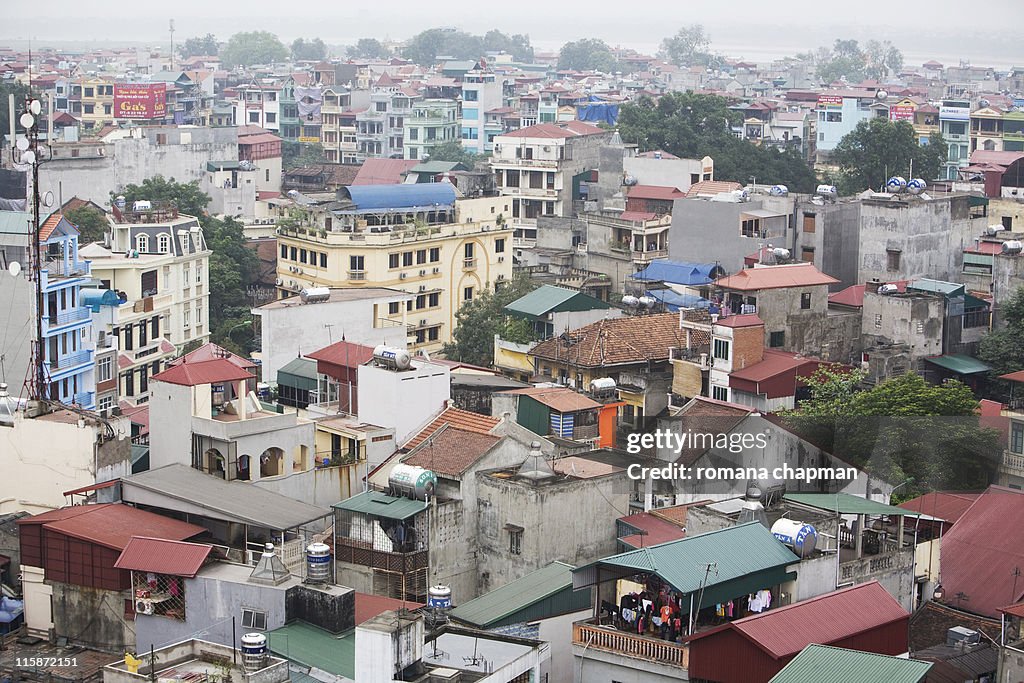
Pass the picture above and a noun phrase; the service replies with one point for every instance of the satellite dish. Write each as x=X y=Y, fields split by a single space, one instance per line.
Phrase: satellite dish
x=48 y=199
x=35 y=107
x=22 y=143
x=14 y=269
x=28 y=157
x=27 y=120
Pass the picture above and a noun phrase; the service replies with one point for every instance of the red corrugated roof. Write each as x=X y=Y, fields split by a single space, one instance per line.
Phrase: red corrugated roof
x=561 y=399
x=776 y=277
x=211 y=351
x=112 y=524
x=637 y=216
x=655 y=192
x=946 y=505
x=161 y=556
x=458 y=418
x=260 y=139
x=343 y=353
x=369 y=606
x=1014 y=610
x=775 y=363
x=654 y=530
x=742 y=320
x=383 y=171
x=982 y=550
x=825 y=619
x=203 y=372
x=1014 y=376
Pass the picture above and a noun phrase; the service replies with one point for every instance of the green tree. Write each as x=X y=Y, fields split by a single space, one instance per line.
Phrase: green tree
x=253 y=47
x=844 y=59
x=479 y=320
x=426 y=46
x=879 y=148
x=91 y=223
x=453 y=151
x=298 y=154
x=517 y=45
x=687 y=47
x=308 y=50
x=882 y=59
x=368 y=48
x=1003 y=348
x=233 y=268
x=694 y=126
x=20 y=92
x=199 y=46
x=587 y=54
x=903 y=428
x=187 y=197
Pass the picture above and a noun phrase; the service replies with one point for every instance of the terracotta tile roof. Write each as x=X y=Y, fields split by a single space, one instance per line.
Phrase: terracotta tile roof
x=450 y=451
x=704 y=415
x=49 y=225
x=554 y=131
x=202 y=372
x=776 y=277
x=617 y=341
x=211 y=351
x=655 y=192
x=561 y=399
x=712 y=187
x=456 y=417
x=162 y=556
x=112 y=524
x=637 y=216
x=982 y=549
x=946 y=505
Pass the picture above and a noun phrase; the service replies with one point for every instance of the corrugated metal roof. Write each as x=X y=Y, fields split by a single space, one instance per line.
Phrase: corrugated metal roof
x=501 y=603
x=847 y=504
x=676 y=272
x=112 y=524
x=375 y=197
x=818 y=663
x=548 y=298
x=825 y=619
x=300 y=371
x=369 y=606
x=379 y=504
x=314 y=647
x=202 y=372
x=380 y=171
x=776 y=277
x=234 y=501
x=161 y=556
x=737 y=551
x=959 y=363
x=560 y=399
x=948 y=506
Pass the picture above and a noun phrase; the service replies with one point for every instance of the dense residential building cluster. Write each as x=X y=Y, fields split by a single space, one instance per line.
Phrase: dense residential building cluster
x=487 y=330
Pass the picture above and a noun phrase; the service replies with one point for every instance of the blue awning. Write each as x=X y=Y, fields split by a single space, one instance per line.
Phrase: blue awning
x=674 y=301
x=678 y=272
x=94 y=298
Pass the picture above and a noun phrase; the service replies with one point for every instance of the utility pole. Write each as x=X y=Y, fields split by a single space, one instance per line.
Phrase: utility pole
x=171 y=29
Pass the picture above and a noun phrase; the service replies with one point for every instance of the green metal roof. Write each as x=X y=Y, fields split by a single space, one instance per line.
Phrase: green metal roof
x=846 y=504
x=959 y=363
x=818 y=663
x=544 y=593
x=549 y=299
x=14 y=222
x=310 y=646
x=937 y=286
x=379 y=504
x=746 y=558
x=229 y=165
x=299 y=373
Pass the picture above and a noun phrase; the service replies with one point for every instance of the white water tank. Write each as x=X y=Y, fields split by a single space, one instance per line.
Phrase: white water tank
x=602 y=385
x=439 y=603
x=318 y=563
x=827 y=191
x=802 y=538
x=1012 y=246
x=413 y=481
x=780 y=254
x=916 y=186
x=254 y=651
x=142 y=205
x=630 y=301
x=778 y=191
x=392 y=357
x=888 y=289
x=647 y=301
x=313 y=295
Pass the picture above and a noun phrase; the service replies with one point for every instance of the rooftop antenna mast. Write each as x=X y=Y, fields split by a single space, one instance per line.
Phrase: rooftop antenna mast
x=171 y=30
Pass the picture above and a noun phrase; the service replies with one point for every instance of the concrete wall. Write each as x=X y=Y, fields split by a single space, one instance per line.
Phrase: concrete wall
x=705 y=231
x=834 y=240
x=170 y=407
x=591 y=665
x=911 y=321
x=558 y=632
x=41 y=458
x=895 y=571
x=406 y=400
x=92 y=616
x=1007 y=278
x=290 y=331
x=664 y=172
x=322 y=486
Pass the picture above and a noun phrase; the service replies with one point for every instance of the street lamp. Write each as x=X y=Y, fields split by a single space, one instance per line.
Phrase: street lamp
x=910 y=480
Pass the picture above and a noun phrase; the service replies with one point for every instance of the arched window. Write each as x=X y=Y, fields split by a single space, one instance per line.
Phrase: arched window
x=163 y=243
x=142 y=243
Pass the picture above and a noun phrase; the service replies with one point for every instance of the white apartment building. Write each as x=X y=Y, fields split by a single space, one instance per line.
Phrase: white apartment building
x=258 y=105
x=433 y=122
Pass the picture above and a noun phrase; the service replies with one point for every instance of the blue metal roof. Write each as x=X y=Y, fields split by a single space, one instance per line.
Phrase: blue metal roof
x=404 y=196
x=677 y=272
x=94 y=298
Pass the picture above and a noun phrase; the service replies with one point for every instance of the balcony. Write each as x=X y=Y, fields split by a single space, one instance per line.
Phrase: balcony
x=358 y=552
x=86 y=399
x=72 y=360
x=61 y=268
x=64 y=318
x=357 y=275
x=468 y=264
x=610 y=639
x=526 y=163
x=1013 y=463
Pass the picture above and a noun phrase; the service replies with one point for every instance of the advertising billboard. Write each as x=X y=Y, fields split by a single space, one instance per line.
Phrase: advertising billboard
x=949 y=113
x=902 y=112
x=830 y=101
x=140 y=100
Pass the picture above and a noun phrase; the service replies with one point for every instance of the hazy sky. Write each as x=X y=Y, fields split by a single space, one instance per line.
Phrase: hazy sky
x=756 y=29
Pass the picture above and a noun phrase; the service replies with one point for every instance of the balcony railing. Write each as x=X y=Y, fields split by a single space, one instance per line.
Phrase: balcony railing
x=357 y=275
x=67 y=317
x=356 y=552
x=71 y=360
x=468 y=263
x=1013 y=461
x=63 y=268
x=611 y=639
x=85 y=399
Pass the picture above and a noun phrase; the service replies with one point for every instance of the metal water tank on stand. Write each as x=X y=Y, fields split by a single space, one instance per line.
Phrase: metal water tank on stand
x=802 y=538
x=412 y=481
x=439 y=602
x=254 y=651
x=318 y=563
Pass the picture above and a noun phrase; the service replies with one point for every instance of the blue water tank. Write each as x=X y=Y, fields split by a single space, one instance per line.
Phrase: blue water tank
x=802 y=538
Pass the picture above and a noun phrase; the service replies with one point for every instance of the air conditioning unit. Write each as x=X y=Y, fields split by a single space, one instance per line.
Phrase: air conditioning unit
x=436 y=271
x=278 y=282
x=143 y=607
x=501 y=259
x=403 y=276
x=423 y=272
x=423 y=288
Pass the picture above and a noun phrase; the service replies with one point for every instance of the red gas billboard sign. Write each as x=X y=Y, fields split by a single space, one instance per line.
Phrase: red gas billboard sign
x=140 y=100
